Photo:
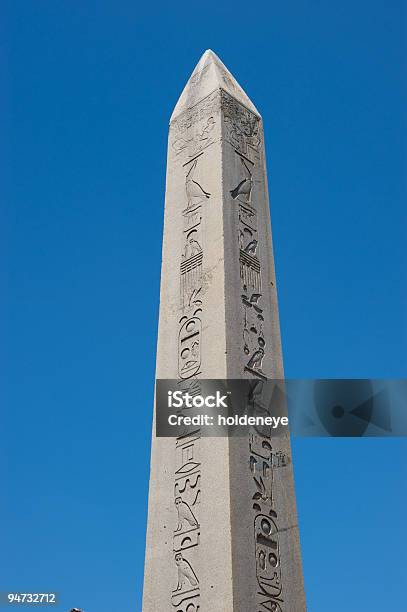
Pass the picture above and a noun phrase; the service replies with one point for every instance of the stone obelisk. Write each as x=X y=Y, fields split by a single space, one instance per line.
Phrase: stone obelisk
x=222 y=525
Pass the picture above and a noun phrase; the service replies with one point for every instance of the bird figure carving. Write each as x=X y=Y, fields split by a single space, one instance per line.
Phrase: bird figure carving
x=195 y=193
x=191 y=248
x=256 y=359
x=251 y=247
x=184 y=514
x=185 y=572
x=244 y=188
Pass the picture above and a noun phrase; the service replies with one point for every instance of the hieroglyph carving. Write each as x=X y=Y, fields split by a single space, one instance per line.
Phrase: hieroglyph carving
x=187 y=478
x=243 y=132
x=194 y=129
x=192 y=254
x=186 y=594
x=250 y=273
x=266 y=535
x=242 y=127
x=243 y=189
x=196 y=194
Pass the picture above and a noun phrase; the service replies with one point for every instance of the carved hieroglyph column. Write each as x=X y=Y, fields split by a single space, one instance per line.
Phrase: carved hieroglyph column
x=222 y=526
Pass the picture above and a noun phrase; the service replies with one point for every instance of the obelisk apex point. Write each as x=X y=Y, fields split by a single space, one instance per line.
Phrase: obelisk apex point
x=210 y=74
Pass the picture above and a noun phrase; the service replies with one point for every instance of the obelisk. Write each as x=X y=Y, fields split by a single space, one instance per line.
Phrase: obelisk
x=222 y=525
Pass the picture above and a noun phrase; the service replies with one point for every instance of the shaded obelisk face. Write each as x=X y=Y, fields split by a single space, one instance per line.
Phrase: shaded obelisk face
x=222 y=532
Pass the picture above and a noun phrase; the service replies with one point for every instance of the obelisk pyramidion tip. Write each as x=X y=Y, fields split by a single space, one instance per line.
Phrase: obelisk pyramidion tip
x=210 y=73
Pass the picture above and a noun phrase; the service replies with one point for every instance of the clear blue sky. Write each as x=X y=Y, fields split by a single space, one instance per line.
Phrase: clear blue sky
x=89 y=89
